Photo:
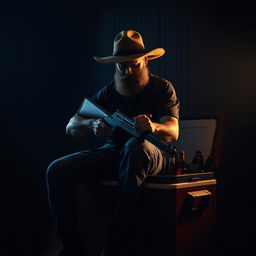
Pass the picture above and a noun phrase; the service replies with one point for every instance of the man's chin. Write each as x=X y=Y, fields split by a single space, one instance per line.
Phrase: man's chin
x=131 y=85
x=129 y=89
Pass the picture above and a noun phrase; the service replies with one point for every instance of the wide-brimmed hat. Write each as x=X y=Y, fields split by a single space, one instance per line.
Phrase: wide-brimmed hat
x=128 y=46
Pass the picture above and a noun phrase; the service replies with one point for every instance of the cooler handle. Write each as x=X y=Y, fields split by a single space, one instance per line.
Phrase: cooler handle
x=199 y=199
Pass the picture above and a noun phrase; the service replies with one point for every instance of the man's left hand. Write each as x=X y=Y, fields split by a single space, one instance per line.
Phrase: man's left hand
x=144 y=124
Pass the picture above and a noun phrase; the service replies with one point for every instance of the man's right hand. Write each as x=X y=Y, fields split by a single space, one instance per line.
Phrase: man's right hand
x=100 y=128
x=79 y=126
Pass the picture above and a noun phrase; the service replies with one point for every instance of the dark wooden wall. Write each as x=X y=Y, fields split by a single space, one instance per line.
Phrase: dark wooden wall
x=47 y=68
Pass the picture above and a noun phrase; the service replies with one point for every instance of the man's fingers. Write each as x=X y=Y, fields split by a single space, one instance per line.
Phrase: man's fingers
x=100 y=128
x=141 y=117
x=99 y=123
x=142 y=120
x=142 y=124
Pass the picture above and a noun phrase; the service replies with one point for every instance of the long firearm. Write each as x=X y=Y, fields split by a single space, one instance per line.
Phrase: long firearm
x=90 y=109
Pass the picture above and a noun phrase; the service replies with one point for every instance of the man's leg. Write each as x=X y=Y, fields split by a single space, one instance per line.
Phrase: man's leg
x=86 y=167
x=137 y=160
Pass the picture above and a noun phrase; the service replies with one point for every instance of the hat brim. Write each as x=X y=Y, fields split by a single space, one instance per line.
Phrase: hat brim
x=156 y=53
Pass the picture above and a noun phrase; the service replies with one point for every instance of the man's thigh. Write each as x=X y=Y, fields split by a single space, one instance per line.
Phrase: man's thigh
x=87 y=166
x=144 y=156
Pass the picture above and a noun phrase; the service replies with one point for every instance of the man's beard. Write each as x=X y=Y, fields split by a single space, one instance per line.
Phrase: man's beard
x=133 y=84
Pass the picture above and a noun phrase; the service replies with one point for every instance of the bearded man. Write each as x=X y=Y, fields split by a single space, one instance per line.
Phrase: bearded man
x=152 y=103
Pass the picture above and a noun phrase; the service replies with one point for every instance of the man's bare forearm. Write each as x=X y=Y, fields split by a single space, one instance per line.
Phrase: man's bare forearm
x=79 y=126
x=167 y=132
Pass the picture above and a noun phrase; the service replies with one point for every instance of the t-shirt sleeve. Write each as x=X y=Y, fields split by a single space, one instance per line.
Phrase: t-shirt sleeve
x=101 y=97
x=167 y=102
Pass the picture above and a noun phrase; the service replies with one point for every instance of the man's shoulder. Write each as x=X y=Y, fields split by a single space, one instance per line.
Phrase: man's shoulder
x=107 y=88
x=160 y=83
x=104 y=93
x=109 y=85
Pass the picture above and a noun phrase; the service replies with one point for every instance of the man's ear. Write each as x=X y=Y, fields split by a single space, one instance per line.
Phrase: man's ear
x=146 y=60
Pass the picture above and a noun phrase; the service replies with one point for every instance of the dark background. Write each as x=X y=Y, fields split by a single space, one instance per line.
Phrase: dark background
x=46 y=69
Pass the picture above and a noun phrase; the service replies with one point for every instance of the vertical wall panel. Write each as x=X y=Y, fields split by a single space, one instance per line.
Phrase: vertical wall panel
x=185 y=60
x=173 y=46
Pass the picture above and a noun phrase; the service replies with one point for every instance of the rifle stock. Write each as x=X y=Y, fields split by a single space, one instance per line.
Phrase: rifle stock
x=89 y=109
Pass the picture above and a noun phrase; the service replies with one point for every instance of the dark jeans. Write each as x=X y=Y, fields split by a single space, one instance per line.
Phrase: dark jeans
x=129 y=164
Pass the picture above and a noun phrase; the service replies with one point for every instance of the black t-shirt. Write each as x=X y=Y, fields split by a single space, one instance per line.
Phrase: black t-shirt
x=158 y=98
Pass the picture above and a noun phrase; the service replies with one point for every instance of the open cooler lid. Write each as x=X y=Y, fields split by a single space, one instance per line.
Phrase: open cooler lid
x=198 y=132
x=202 y=132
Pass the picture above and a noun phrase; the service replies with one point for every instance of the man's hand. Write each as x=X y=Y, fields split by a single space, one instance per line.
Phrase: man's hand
x=144 y=124
x=100 y=128
x=167 y=130
x=79 y=126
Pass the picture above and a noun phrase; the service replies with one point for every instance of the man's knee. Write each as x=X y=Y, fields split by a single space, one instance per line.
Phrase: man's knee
x=135 y=155
x=144 y=158
x=134 y=145
x=61 y=170
x=54 y=170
